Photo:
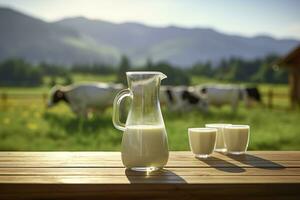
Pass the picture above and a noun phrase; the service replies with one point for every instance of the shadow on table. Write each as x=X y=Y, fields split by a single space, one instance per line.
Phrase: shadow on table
x=255 y=161
x=161 y=176
x=222 y=165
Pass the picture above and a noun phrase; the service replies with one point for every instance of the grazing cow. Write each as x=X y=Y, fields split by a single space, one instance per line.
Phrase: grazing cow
x=85 y=97
x=180 y=98
x=219 y=95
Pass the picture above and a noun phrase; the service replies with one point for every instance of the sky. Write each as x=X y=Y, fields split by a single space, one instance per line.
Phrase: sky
x=277 y=18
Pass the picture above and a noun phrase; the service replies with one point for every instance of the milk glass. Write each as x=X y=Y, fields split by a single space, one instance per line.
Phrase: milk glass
x=144 y=141
x=202 y=141
x=236 y=138
x=220 y=144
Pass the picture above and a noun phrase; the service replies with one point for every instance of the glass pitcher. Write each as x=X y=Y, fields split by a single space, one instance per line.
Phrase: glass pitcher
x=144 y=142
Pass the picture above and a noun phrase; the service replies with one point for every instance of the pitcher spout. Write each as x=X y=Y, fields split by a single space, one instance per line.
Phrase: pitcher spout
x=162 y=76
x=144 y=77
x=145 y=73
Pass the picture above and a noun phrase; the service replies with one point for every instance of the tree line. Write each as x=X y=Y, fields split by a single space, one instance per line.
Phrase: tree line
x=240 y=70
x=18 y=72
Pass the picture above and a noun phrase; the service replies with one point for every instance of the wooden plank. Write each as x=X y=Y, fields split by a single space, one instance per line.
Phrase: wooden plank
x=113 y=164
x=178 y=155
x=166 y=172
x=174 y=179
x=223 y=163
x=177 y=159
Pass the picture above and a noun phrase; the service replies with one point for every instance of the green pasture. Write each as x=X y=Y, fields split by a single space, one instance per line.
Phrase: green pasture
x=26 y=123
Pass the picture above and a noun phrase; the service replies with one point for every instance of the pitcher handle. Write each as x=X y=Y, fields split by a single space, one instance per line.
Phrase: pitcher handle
x=116 y=108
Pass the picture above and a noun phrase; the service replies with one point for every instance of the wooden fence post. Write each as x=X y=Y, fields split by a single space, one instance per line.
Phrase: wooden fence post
x=270 y=98
x=44 y=96
x=4 y=97
x=4 y=100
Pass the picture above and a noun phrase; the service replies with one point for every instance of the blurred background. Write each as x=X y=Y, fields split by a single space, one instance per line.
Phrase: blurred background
x=247 y=48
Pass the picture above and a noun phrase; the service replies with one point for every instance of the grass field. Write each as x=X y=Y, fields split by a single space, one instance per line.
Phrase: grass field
x=26 y=124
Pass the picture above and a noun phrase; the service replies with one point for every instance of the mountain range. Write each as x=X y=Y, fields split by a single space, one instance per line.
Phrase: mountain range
x=81 y=40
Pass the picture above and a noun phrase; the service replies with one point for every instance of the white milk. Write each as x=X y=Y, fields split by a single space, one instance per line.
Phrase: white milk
x=145 y=146
x=236 y=138
x=220 y=144
x=202 y=141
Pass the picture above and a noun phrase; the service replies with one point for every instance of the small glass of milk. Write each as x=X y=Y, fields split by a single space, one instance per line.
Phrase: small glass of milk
x=202 y=141
x=220 y=144
x=236 y=138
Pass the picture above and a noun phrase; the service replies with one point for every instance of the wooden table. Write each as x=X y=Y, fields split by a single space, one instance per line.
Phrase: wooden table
x=92 y=175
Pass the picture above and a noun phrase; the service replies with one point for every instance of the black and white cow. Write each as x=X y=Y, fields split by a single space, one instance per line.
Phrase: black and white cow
x=85 y=97
x=219 y=95
x=252 y=95
x=181 y=98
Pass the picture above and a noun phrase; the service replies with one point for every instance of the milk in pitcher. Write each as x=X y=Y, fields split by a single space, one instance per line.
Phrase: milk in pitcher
x=144 y=146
